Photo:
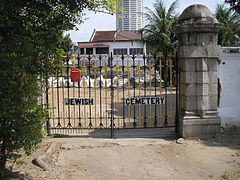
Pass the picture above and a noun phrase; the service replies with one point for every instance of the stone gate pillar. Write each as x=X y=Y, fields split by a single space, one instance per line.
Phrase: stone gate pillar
x=198 y=54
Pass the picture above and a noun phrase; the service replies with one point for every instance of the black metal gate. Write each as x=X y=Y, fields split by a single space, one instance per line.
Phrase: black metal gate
x=114 y=93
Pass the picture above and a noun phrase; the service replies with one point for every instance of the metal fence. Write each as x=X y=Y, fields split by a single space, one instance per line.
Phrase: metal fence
x=115 y=92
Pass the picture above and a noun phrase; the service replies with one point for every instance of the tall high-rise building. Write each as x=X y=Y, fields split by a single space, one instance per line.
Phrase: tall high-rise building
x=132 y=16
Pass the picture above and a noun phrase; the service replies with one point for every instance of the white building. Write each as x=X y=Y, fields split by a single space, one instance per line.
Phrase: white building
x=117 y=43
x=132 y=16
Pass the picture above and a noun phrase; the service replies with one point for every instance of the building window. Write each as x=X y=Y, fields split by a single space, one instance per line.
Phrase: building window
x=102 y=51
x=120 y=51
x=135 y=51
x=89 y=50
x=81 y=50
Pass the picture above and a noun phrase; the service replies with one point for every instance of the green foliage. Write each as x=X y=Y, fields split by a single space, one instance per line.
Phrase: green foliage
x=20 y=162
x=112 y=6
x=229 y=35
x=235 y=5
x=66 y=43
x=157 y=34
x=32 y=45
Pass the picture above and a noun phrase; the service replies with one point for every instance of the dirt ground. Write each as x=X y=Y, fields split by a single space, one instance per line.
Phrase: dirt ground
x=137 y=159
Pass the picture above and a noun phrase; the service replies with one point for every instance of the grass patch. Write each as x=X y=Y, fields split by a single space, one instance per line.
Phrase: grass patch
x=20 y=162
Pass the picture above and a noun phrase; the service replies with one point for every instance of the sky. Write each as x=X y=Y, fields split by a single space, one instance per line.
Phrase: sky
x=105 y=22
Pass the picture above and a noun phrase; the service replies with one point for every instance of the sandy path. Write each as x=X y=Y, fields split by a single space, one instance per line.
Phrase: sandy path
x=139 y=159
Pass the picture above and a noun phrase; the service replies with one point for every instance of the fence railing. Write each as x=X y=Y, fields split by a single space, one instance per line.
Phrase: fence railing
x=114 y=92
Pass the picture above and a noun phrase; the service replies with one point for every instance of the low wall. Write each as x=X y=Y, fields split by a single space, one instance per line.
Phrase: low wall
x=229 y=76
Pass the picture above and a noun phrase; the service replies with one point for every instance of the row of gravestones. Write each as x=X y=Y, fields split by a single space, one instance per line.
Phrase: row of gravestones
x=118 y=81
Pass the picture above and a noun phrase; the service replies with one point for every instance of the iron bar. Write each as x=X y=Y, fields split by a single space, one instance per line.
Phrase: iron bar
x=58 y=105
x=123 y=89
x=166 y=96
x=47 y=104
x=100 y=95
x=145 y=91
x=112 y=96
x=79 y=93
x=134 y=91
x=68 y=92
x=89 y=90
x=155 y=89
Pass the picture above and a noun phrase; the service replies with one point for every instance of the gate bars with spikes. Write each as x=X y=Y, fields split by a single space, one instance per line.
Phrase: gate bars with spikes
x=115 y=92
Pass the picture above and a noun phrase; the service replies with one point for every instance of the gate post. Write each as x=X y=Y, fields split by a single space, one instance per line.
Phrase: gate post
x=198 y=54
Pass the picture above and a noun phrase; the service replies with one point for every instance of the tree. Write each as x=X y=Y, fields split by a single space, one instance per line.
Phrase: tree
x=157 y=33
x=66 y=43
x=30 y=35
x=235 y=5
x=229 y=35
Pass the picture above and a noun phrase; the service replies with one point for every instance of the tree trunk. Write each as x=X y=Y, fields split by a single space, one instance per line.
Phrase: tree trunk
x=3 y=160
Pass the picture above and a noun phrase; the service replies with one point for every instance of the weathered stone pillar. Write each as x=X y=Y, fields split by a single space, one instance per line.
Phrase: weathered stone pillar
x=198 y=54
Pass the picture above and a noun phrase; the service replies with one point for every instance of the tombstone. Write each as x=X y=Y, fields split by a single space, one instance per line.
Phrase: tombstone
x=100 y=82
x=132 y=81
x=84 y=82
x=115 y=81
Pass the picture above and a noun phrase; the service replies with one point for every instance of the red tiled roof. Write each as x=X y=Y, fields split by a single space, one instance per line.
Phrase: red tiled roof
x=106 y=36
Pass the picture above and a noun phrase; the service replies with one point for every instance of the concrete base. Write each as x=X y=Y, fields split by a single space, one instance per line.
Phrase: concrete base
x=165 y=132
x=199 y=127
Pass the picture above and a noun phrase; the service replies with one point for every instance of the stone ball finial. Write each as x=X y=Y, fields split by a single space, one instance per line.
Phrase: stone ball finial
x=197 y=13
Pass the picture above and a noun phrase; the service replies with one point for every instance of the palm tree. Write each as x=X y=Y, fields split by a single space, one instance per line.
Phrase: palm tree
x=235 y=4
x=157 y=33
x=229 y=35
